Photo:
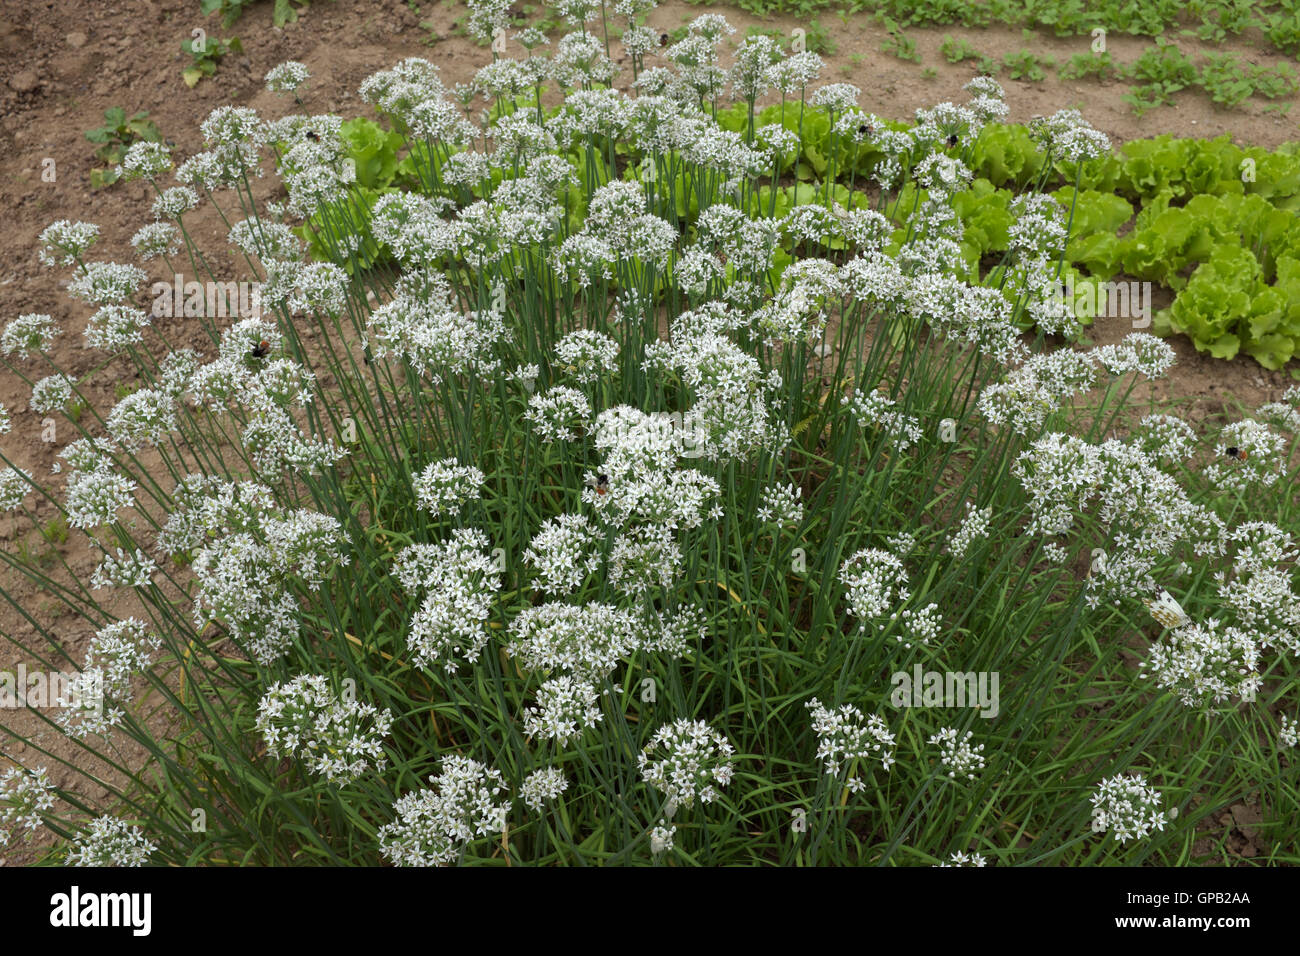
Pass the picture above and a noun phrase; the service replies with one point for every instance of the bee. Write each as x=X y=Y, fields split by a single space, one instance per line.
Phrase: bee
x=663 y=39
x=722 y=257
x=866 y=129
x=1167 y=612
x=600 y=486
x=952 y=140
x=261 y=350
x=1238 y=453
x=313 y=136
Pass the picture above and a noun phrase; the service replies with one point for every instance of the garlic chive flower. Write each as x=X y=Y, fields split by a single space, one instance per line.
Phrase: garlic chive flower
x=956 y=754
x=1127 y=807
x=846 y=737
x=145 y=159
x=111 y=842
x=114 y=327
x=566 y=706
x=106 y=283
x=65 y=242
x=543 y=786
x=287 y=77
x=156 y=239
x=686 y=760
x=28 y=333
x=456 y=582
x=563 y=553
x=24 y=796
x=445 y=486
x=337 y=738
x=433 y=825
x=123 y=570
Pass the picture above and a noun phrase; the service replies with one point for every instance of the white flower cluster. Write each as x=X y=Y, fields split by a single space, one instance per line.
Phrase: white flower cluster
x=434 y=825
x=420 y=327
x=120 y=651
x=106 y=283
x=28 y=333
x=65 y=242
x=174 y=203
x=643 y=485
x=156 y=239
x=115 y=327
x=563 y=554
x=920 y=625
x=542 y=786
x=559 y=414
x=973 y=526
x=566 y=706
x=587 y=355
x=875 y=581
x=15 y=485
x=734 y=400
x=1288 y=734
x=965 y=859
x=52 y=393
x=1147 y=513
x=1067 y=136
x=286 y=77
x=809 y=290
x=338 y=738
x=445 y=486
x=146 y=159
x=1027 y=395
x=845 y=736
x=661 y=838
x=456 y=582
x=235 y=136
x=95 y=497
x=122 y=570
x=618 y=228
x=587 y=640
x=250 y=557
x=1166 y=438
x=24 y=796
x=93 y=700
x=685 y=760
x=878 y=409
x=1258 y=587
x=781 y=505
x=1203 y=662
x=677 y=631
x=956 y=753
x=644 y=558
x=1138 y=352
x=1260 y=458
x=145 y=417
x=84 y=709
x=111 y=842
x=1127 y=807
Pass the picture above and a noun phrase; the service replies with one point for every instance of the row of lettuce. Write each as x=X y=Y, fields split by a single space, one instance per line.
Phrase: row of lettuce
x=1209 y=221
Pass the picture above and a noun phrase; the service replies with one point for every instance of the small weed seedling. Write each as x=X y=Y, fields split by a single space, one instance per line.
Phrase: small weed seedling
x=205 y=52
x=115 y=137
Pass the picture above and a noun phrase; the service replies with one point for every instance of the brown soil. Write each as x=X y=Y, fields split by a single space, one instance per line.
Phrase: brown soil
x=62 y=65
